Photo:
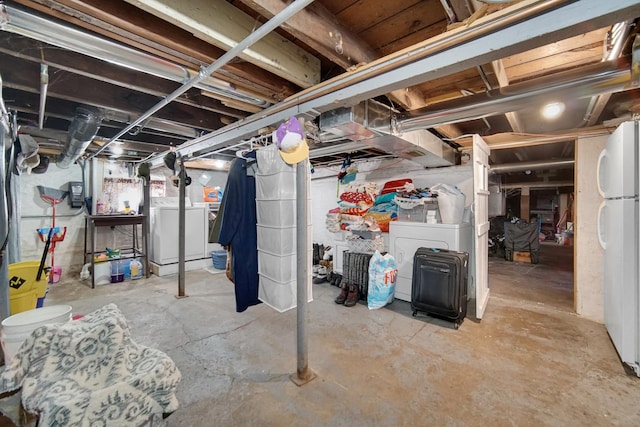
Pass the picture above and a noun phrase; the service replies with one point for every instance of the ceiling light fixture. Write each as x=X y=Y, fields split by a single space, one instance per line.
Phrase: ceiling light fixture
x=552 y=110
x=117 y=150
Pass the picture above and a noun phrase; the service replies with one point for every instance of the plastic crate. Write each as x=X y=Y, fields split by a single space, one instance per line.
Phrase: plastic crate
x=365 y=246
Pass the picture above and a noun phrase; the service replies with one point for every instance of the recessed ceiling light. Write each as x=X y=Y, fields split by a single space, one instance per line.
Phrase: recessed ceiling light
x=552 y=110
x=117 y=150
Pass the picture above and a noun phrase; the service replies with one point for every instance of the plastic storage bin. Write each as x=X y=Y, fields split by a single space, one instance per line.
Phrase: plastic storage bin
x=414 y=214
x=102 y=273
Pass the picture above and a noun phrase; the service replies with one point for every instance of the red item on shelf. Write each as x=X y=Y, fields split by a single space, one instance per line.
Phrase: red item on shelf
x=395 y=185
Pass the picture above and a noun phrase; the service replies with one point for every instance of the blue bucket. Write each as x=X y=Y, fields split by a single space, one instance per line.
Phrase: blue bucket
x=219 y=259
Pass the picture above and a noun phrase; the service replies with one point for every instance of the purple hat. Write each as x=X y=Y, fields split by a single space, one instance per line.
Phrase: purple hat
x=291 y=142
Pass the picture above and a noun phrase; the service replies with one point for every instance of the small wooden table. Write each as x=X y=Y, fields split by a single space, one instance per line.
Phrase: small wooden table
x=95 y=221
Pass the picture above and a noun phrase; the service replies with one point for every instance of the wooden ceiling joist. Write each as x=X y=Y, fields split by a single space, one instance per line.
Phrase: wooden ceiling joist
x=223 y=25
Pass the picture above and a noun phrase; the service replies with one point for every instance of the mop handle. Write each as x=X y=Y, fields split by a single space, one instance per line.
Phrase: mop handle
x=44 y=255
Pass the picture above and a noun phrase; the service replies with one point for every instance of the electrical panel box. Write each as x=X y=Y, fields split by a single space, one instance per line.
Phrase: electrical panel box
x=76 y=195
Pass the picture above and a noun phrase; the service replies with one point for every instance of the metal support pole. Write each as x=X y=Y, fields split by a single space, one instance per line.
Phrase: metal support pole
x=146 y=223
x=303 y=374
x=181 y=228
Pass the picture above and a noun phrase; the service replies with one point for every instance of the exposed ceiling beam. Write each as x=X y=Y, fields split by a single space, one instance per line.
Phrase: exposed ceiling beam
x=125 y=23
x=503 y=80
x=320 y=29
x=595 y=79
x=35 y=51
x=25 y=75
x=223 y=25
x=515 y=29
x=537 y=185
x=505 y=141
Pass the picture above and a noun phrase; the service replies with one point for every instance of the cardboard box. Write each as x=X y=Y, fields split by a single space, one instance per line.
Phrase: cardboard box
x=522 y=256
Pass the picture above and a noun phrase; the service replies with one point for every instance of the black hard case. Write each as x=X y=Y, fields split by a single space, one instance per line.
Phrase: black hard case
x=439 y=284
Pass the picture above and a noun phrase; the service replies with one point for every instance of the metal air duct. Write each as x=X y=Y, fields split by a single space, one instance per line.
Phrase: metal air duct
x=371 y=123
x=82 y=130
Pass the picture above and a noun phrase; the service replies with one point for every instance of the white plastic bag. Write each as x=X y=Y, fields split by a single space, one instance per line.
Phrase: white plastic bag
x=383 y=271
x=451 y=203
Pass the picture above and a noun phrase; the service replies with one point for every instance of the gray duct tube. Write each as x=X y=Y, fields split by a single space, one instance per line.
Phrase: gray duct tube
x=82 y=129
x=603 y=77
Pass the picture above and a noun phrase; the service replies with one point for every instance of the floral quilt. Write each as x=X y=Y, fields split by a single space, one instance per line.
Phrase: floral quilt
x=90 y=372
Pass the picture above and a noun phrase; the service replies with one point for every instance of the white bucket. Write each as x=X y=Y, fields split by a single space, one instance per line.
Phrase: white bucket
x=16 y=328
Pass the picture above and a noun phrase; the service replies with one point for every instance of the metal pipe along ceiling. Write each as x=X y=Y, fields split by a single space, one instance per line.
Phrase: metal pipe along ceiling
x=475 y=45
x=33 y=26
x=248 y=41
x=603 y=77
x=524 y=166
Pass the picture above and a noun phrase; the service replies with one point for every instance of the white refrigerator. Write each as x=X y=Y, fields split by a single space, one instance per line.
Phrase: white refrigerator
x=618 y=232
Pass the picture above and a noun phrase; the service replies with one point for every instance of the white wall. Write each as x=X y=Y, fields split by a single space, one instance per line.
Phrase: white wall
x=36 y=213
x=587 y=250
x=325 y=186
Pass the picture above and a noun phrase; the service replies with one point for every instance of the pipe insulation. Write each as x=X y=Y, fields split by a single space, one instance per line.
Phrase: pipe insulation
x=82 y=130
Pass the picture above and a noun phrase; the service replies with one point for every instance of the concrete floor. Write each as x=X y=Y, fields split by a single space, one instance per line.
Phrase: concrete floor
x=530 y=361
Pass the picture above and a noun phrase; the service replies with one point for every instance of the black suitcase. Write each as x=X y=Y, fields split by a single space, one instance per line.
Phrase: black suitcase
x=439 y=284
